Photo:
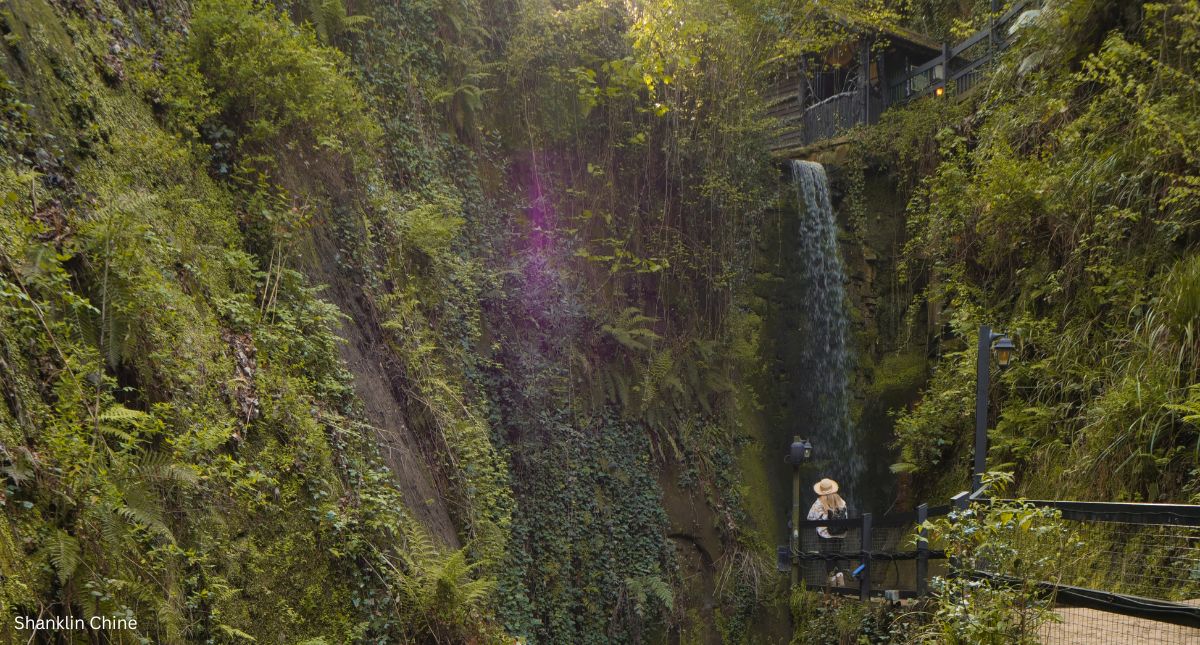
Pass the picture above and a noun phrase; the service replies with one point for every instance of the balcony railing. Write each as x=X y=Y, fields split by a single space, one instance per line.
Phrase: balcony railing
x=956 y=70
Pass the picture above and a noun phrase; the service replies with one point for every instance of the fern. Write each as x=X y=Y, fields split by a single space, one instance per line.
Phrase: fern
x=158 y=466
x=117 y=339
x=64 y=553
x=631 y=331
x=330 y=19
x=620 y=388
x=117 y=433
x=113 y=530
x=113 y=330
x=233 y=632
x=438 y=588
x=656 y=371
x=642 y=589
x=118 y=413
x=116 y=416
x=141 y=509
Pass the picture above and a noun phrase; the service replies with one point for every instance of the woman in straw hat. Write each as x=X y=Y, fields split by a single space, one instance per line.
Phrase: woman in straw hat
x=829 y=506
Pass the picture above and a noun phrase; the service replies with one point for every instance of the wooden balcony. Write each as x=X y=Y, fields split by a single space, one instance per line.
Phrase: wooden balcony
x=804 y=120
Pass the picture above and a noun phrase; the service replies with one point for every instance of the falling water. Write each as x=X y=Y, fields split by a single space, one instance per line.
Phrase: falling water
x=823 y=329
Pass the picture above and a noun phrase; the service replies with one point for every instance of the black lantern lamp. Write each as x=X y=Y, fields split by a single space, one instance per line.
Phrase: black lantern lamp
x=1003 y=348
x=800 y=452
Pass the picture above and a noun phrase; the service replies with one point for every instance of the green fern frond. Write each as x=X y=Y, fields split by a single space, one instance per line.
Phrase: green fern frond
x=64 y=553
x=147 y=520
x=234 y=632
x=141 y=509
x=330 y=19
x=621 y=388
x=118 y=413
x=116 y=340
x=631 y=329
x=116 y=416
x=438 y=587
x=159 y=466
x=356 y=23
x=117 y=433
x=113 y=531
x=642 y=589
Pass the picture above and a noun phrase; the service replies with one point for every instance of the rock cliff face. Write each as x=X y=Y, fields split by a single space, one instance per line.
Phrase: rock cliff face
x=320 y=338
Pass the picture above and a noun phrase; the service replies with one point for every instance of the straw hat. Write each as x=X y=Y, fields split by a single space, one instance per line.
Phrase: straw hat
x=825 y=487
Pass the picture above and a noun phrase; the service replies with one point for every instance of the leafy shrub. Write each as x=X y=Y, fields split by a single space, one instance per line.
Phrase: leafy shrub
x=270 y=78
x=1002 y=551
x=829 y=619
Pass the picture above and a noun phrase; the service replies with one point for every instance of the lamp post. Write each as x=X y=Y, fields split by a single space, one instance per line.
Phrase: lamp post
x=799 y=452
x=1003 y=346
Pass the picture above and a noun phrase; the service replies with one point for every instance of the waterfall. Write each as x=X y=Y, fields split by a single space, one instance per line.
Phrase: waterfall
x=823 y=327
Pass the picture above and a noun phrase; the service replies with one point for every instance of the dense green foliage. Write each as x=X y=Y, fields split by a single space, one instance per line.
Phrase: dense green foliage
x=830 y=619
x=210 y=213
x=1062 y=212
x=436 y=321
x=181 y=442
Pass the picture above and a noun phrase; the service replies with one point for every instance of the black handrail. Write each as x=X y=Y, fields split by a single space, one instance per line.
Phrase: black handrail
x=1163 y=611
x=1124 y=512
x=803 y=124
x=816 y=556
x=971 y=41
x=994 y=32
x=1067 y=595
x=890 y=520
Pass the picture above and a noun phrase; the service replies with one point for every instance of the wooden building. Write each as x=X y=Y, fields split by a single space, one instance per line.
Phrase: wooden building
x=820 y=96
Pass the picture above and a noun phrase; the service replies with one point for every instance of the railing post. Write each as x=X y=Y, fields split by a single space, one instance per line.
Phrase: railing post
x=994 y=7
x=802 y=91
x=982 y=375
x=885 y=88
x=794 y=525
x=945 y=67
x=864 y=586
x=959 y=503
x=864 y=88
x=922 y=550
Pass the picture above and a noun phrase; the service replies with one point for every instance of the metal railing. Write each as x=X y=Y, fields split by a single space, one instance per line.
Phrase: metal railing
x=839 y=112
x=884 y=546
x=962 y=66
x=1133 y=574
x=958 y=69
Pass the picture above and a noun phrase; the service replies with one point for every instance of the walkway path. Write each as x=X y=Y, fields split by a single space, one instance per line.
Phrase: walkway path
x=1091 y=627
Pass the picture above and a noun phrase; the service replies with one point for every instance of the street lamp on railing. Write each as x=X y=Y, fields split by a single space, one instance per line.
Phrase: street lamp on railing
x=1002 y=345
x=799 y=453
x=1003 y=348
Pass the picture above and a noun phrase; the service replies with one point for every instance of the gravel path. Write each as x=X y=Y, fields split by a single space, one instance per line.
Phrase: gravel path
x=1091 y=627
